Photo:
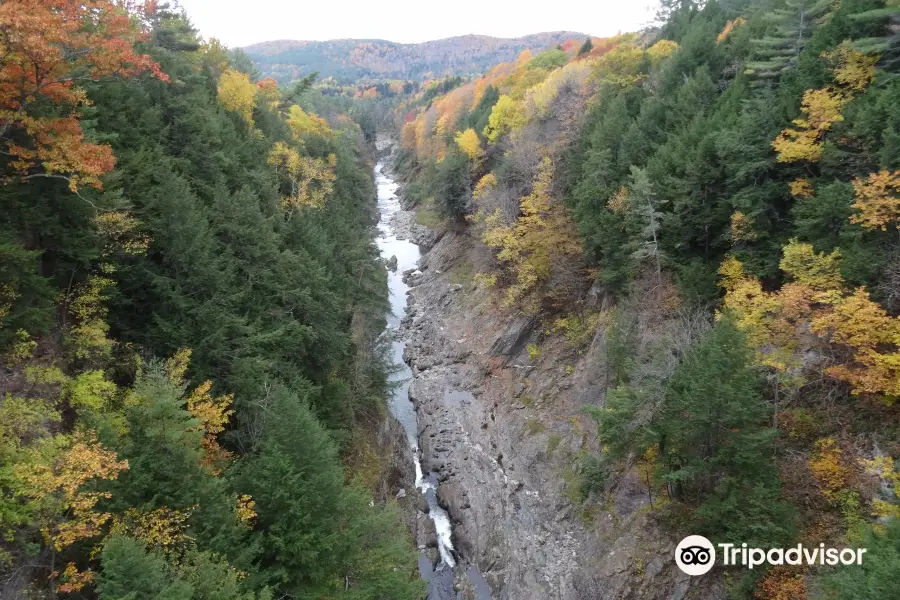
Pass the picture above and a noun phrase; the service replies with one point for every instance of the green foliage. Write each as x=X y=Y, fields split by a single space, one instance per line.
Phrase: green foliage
x=715 y=448
x=311 y=528
x=722 y=454
x=131 y=572
x=586 y=47
x=188 y=246
x=26 y=298
x=549 y=59
x=873 y=579
x=428 y=218
x=452 y=187
x=534 y=426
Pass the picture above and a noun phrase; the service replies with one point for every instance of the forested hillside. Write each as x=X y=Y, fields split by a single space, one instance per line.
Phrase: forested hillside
x=350 y=60
x=189 y=301
x=718 y=203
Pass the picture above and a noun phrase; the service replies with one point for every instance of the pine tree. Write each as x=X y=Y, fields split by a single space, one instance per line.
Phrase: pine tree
x=586 y=47
x=714 y=442
x=789 y=31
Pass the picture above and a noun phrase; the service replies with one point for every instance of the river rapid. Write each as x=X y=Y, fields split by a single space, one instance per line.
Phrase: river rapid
x=401 y=407
x=393 y=243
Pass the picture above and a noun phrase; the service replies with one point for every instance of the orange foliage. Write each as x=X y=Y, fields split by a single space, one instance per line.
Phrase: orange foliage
x=213 y=414
x=873 y=338
x=74 y=580
x=729 y=27
x=781 y=583
x=48 y=47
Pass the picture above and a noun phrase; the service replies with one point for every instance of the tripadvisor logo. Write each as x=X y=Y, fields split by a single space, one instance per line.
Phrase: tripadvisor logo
x=696 y=555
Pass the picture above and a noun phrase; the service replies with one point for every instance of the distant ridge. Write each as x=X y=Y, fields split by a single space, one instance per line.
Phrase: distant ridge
x=353 y=59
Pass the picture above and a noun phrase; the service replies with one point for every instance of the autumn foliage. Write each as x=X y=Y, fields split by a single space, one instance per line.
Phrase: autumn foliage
x=49 y=50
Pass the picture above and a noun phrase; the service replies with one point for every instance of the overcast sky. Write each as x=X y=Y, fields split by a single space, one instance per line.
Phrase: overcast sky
x=244 y=22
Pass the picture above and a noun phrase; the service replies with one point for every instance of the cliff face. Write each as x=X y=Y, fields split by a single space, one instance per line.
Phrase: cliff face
x=503 y=427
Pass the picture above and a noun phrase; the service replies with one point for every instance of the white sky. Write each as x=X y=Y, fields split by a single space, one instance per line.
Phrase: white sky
x=240 y=23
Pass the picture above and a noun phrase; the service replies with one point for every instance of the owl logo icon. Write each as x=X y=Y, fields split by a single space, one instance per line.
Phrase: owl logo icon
x=695 y=555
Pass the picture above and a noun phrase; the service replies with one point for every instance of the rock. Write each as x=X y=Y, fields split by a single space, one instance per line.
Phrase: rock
x=514 y=337
x=429 y=533
x=455 y=287
x=401 y=494
x=392 y=263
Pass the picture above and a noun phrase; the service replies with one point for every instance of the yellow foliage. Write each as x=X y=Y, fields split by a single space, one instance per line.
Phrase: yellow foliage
x=540 y=97
x=88 y=334
x=853 y=71
x=622 y=65
x=661 y=50
x=122 y=232
x=759 y=314
x=821 y=109
x=540 y=237
x=246 y=510
x=801 y=188
x=826 y=467
x=878 y=200
x=820 y=272
x=22 y=419
x=408 y=136
x=484 y=184
x=729 y=27
x=55 y=483
x=90 y=390
x=20 y=350
x=883 y=468
x=213 y=414
x=177 y=365
x=469 y=143
x=304 y=124
x=311 y=179
x=742 y=228
x=873 y=336
x=506 y=115
x=816 y=299
x=238 y=94
x=162 y=528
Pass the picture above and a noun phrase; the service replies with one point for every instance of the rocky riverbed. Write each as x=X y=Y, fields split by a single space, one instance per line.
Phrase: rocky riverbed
x=502 y=428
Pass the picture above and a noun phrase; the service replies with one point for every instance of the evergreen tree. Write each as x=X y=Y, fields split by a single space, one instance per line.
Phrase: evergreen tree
x=790 y=28
x=586 y=47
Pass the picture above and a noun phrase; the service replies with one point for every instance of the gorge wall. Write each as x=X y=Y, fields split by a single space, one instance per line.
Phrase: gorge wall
x=502 y=427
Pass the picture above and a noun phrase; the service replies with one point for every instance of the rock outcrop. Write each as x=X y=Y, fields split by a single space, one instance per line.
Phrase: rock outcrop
x=502 y=432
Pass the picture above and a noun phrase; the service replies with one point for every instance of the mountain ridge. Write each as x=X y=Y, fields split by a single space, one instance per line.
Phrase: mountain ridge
x=355 y=58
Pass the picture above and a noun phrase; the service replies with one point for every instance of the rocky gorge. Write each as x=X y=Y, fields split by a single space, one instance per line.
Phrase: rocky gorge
x=500 y=426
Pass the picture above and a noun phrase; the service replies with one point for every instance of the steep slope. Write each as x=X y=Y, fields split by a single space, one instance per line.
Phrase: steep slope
x=665 y=302
x=348 y=60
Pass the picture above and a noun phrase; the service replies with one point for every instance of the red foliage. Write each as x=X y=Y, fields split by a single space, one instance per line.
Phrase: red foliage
x=49 y=46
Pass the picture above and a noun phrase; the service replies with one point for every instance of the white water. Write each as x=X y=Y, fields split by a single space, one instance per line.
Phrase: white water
x=401 y=407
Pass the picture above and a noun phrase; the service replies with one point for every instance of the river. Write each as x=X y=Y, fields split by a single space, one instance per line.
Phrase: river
x=440 y=576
